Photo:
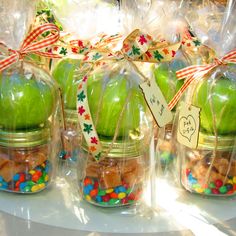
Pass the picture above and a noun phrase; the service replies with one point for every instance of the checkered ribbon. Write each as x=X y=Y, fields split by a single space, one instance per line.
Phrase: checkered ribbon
x=31 y=45
x=193 y=73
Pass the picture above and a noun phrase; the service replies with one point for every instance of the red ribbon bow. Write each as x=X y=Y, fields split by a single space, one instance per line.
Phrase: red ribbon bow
x=198 y=71
x=29 y=45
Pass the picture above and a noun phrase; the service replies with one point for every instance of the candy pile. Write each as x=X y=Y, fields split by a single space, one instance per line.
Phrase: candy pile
x=33 y=180
x=120 y=195
x=213 y=188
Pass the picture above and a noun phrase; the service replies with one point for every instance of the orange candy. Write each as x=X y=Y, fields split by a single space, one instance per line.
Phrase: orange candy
x=93 y=193
x=87 y=181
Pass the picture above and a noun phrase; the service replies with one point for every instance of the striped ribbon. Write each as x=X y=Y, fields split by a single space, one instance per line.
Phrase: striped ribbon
x=196 y=72
x=31 y=45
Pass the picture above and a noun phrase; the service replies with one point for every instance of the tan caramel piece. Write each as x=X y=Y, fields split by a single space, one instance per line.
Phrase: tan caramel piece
x=9 y=169
x=111 y=177
x=200 y=171
x=92 y=170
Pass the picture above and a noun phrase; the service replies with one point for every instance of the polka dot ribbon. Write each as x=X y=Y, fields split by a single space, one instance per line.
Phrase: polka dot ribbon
x=136 y=47
x=32 y=44
x=196 y=72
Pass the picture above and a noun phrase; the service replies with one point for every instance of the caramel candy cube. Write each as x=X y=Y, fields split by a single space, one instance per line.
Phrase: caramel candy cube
x=111 y=177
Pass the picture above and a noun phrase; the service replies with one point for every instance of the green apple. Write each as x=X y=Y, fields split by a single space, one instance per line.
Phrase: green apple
x=25 y=102
x=217 y=99
x=166 y=78
x=108 y=97
x=65 y=74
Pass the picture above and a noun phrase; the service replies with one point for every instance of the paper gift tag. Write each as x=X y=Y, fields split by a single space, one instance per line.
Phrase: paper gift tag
x=188 y=125
x=156 y=103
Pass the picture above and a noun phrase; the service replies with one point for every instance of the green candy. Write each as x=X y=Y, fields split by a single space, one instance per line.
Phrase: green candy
x=41 y=180
x=128 y=191
x=212 y=185
x=196 y=186
x=27 y=189
x=101 y=193
x=30 y=183
x=207 y=191
x=223 y=189
x=114 y=201
x=131 y=201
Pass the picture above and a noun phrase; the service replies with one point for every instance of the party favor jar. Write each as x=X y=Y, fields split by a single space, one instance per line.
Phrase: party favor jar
x=117 y=175
x=210 y=169
x=28 y=106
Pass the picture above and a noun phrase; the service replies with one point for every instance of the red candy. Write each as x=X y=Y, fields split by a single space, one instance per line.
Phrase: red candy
x=113 y=195
x=39 y=173
x=234 y=187
x=106 y=198
x=215 y=191
x=96 y=184
x=87 y=181
x=124 y=200
x=188 y=171
x=22 y=178
x=93 y=192
x=17 y=184
x=230 y=192
x=218 y=183
x=131 y=196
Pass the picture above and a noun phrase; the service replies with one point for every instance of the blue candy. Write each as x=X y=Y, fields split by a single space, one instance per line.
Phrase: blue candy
x=122 y=189
x=16 y=177
x=87 y=189
x=23 y=185
x=1 y=178
x=98 y=198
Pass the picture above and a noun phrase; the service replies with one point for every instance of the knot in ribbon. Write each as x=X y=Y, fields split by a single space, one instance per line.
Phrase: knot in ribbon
x=31 y=45
x=196 y=72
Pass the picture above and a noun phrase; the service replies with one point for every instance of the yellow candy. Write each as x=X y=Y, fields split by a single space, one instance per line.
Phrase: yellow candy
x=230 y=181
x=46 y=178
x=43 y=165
x=88 y=198
x=41 y=186
x=121 y=195
x=234 y=179
x=32 y=172
x=110 y=190
x=35 y=188
x=199 y=190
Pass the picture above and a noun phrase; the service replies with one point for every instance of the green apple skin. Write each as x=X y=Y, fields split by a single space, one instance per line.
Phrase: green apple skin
x=166 y=78
x=222 y=95
x=24 y=102
x=107 y=97
x=65 y=75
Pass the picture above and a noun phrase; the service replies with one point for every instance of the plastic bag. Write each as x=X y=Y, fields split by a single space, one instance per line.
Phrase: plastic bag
x=209 y=169
x=28 y=108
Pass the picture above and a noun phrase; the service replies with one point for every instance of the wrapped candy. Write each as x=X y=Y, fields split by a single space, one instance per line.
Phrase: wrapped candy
x=28 y=102
x=206 y=127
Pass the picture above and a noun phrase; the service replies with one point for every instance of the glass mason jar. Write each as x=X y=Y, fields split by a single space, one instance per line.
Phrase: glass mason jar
x=208 y=170
x=119 y=178
x=25 y=160
x=28 y=128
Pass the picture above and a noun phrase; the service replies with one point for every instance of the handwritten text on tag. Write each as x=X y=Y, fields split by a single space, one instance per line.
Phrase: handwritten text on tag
x=156 y=103
x=188 y=125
